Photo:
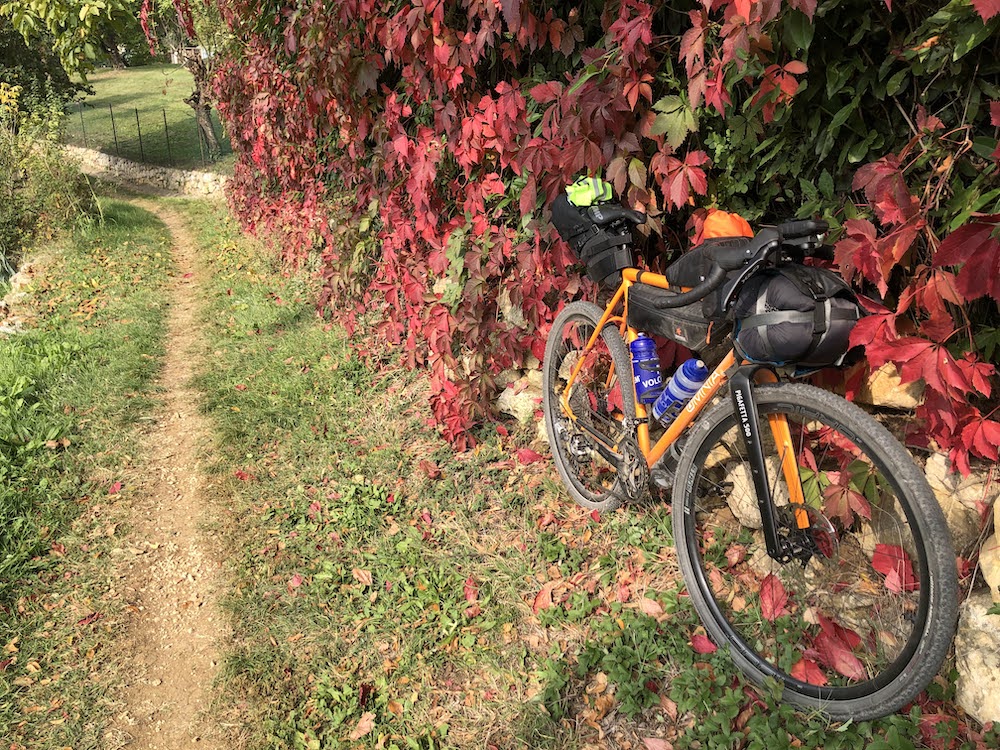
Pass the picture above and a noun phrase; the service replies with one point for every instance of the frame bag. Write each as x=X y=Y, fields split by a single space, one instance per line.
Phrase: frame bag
x=795 y=315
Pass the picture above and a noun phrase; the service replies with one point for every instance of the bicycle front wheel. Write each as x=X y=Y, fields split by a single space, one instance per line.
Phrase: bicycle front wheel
x=600 y=404
x=860 y=619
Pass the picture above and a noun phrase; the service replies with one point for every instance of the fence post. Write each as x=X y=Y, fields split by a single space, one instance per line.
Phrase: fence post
x=114 y=129
x=166 y=132
x=138 y=128
x=83 y=127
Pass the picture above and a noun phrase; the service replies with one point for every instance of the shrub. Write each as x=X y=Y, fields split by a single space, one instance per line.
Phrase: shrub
x=460 y=121
x=40 y=189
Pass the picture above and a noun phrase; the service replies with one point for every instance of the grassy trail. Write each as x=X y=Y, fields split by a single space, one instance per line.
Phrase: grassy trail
x=76 y=390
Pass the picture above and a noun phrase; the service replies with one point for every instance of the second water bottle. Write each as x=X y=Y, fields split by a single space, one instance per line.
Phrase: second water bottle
x=684 y=383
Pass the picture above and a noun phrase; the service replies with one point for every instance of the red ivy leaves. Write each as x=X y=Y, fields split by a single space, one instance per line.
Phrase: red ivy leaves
x=842 y=501
x=885 y=188
x=702 y=645
x=892 y=561
x=807 y=670
x=982 y=435
x=681 y=180
x=833 y=647
x=986 y=8
x=773 y=598
x=976 y=248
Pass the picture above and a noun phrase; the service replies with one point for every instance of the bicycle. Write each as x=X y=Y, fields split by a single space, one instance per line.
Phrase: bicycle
x=809 y=541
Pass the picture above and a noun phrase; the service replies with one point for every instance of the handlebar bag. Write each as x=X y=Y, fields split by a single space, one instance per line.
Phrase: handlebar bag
x=694 y=266
x=795 y=315
x=605 y=251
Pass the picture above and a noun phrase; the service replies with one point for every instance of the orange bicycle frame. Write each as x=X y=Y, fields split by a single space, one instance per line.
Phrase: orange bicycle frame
x=716 y=380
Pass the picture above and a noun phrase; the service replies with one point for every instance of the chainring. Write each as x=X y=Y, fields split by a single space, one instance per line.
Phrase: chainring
x=634 y=471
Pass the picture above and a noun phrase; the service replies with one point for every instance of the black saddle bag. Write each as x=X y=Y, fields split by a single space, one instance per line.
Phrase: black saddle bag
x=605 y=251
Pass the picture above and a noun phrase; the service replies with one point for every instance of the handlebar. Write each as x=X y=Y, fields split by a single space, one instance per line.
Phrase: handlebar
x=752 y=254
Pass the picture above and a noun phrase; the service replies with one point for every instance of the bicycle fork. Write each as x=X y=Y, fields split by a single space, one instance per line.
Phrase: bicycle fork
x=745 y=406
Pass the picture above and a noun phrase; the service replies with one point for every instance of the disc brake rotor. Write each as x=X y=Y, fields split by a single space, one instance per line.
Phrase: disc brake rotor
x=818 y=538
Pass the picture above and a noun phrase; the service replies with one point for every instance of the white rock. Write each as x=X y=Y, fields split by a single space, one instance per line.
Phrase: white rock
x=541 y=433
x=520 y=401
x=508 y=377
x=989 y=564
x=512 y=313
x=884 y=388
x=742 y=500
x=978 y=487
x=977 y=658
x=959 y=498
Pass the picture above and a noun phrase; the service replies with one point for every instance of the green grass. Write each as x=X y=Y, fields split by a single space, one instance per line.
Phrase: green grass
x=72 y=388
x=157 y=92
x=361 y=541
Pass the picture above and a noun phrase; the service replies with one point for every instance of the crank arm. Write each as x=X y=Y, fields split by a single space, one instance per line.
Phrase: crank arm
x=606 y=451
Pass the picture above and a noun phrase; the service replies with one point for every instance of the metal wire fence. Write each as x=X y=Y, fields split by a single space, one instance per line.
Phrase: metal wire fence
x=169 y=138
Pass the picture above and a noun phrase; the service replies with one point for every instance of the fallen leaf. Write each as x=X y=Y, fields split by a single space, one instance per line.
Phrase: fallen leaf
x=807 y=670
x=669 y=707
x=295 y=581
x=773 y=598
x=655 y=744
x=365 y=724
x=115 y=488
x=362 y=576
x=431 y=469
x=471 y=590
x=528 y=456
x=543 y=599
x=702 y=645
x=650 y=607
x=395 y=707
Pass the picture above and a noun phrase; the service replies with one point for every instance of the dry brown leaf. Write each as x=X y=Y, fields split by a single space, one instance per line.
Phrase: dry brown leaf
x=650 y=607
x=365 y=724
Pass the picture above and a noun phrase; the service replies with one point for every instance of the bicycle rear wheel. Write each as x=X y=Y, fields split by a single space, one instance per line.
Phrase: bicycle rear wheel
x=860 y=621
x=601 y=404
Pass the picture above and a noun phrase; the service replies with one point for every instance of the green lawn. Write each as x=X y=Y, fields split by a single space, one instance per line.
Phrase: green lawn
x=153 y=94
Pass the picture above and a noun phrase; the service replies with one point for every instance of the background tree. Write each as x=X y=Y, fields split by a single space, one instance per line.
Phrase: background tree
x=80 y=29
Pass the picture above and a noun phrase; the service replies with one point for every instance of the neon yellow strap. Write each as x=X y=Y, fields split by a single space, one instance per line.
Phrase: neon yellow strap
x=587 y=191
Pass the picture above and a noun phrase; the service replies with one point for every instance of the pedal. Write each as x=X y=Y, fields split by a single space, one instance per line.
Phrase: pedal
x=662 y=477
x=664 y=471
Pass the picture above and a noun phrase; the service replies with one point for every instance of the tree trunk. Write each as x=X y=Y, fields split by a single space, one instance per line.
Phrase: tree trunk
x=109 y=43
x=201 y=101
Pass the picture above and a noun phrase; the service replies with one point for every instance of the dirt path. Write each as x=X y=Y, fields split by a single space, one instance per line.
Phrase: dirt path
x=174 y=577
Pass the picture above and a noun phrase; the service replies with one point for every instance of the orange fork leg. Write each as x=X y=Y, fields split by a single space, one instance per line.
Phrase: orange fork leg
x=789 y=464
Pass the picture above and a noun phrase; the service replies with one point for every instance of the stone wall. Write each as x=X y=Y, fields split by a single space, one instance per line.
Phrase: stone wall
x=116 y=169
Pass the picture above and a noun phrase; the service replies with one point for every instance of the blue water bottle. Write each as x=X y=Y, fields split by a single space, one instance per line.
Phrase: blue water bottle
x=685 y=382
x=645 y=369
